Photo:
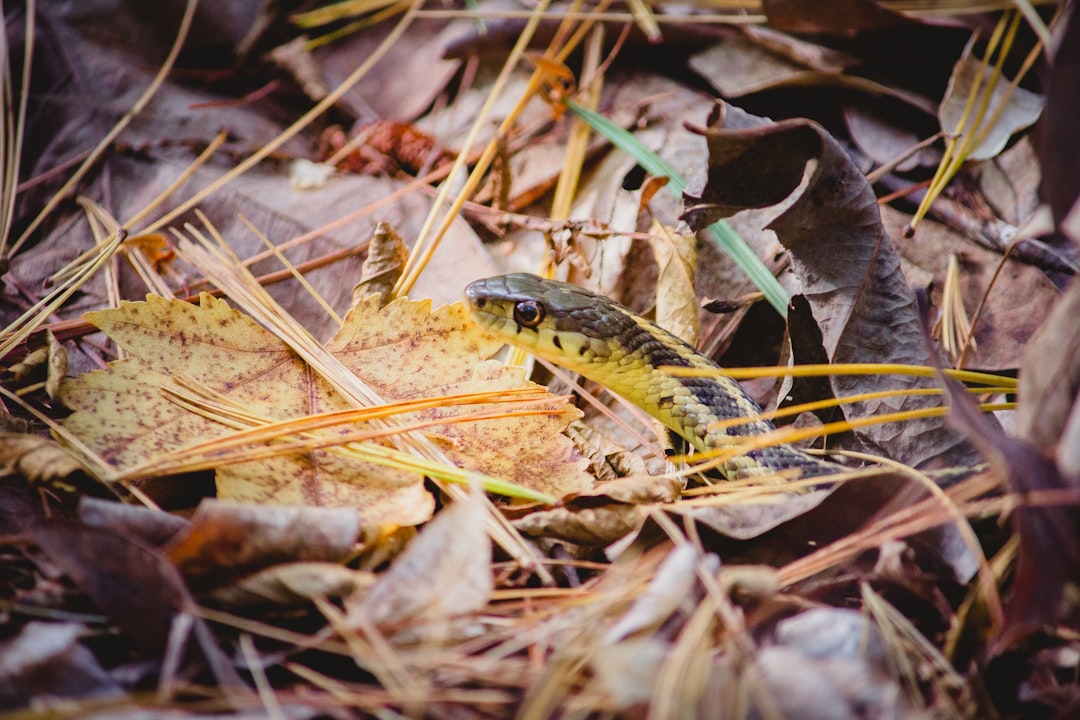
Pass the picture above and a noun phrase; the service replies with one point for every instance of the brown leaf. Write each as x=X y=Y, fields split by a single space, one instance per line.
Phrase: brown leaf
x=35 y=458
x=828 y=663
x=382 y=267
x=153 y=527
x=848 y=267
x=1050 y=382
x=669 y=589
x=1045 y=585
x=603 y=515
x=1020 y=297
x=45 y=660
x=291 y=584
x=228 y=540
x=444 y=572
x=676 y=303
x=881 y=138
x=1011 y=108
x=845 y=17
x=135 y=586
x=1059 y=151
x=407 y=351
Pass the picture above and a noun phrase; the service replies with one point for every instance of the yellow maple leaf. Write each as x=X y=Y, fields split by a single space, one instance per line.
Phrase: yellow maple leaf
x=404 y=351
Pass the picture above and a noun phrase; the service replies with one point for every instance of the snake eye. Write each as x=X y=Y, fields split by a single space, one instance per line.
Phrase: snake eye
x=528 y=313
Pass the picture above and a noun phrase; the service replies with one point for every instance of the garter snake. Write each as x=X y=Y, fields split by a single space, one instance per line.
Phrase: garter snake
x=603 y=341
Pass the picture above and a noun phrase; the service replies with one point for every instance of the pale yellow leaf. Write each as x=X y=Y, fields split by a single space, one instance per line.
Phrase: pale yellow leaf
x=403 y=351
x=676 y=302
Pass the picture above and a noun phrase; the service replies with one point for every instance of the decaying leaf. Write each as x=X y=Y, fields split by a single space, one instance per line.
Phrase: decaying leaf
x=627 y=671
x=46 y=660
x=407 y=351
x=382 y=267
x=292 y=584
x=134 y=585
x=1010 y=108
x=844 y=17
x=1050 y=384
x=676 y=302
x=607 y=460
x=35 y=458
x=148 y=525
x=49 y=361
x=403 y=351
x=444 y=572
x=602 y=515
x=227 y=540
x=849 y=269
x=670 y=588
x=834 y=670
x=1059 y=150
x=1045 y=588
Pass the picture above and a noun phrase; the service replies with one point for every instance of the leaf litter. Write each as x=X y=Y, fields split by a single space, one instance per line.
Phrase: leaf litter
x=366 y=588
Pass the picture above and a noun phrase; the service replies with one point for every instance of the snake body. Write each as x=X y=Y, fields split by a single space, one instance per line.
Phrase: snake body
x=605 y=342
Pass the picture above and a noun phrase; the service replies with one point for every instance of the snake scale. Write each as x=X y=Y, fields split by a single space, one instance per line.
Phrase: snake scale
x=603 y=341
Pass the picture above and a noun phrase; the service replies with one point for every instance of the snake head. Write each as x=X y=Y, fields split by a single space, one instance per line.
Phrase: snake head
x=557 y=321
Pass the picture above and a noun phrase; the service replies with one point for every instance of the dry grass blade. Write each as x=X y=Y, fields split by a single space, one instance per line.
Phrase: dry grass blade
x=822 y=370
x=81 y=270
x=913 y=658
x=13 y=124
x=716 y=458
x=285 y=437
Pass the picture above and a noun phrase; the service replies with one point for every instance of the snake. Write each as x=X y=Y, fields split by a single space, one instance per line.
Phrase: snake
x=604 y=341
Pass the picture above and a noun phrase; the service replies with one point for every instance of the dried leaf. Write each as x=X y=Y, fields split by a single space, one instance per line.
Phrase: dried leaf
x=848 y=267
x=671 y=587
x=382 y=268
x=1020 y=298
x=444 y=572
x=37 y=459
x=676 y=303
x=800 y=685
x=153 y=527
x=601 y=516
x=404 y=351
x=628 y=671
x=58 y=364
x=884 y=140
x=227 y=540
x=1050 y=380
x=747 y=520
x=1045 y=587
x=1010 y=114
x=845 y=17
x=135 y=586
x=742 y=66
x=607 y=460
x=45 y=660
x=291 y=584
x=410 y=75
x=1059 y=151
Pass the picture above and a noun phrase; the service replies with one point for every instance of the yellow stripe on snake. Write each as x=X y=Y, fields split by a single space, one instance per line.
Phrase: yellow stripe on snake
x=603 y=341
